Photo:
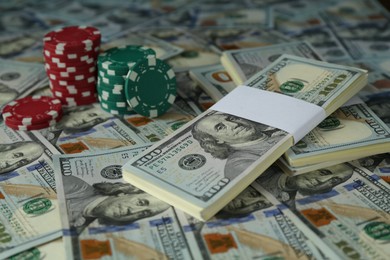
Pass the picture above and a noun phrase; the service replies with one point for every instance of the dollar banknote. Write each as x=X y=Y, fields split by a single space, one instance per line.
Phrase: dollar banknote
x=376 y=95
x=366 y=41
x=211 y=159
x=196 y=52
x=345 y=205
x=89 y=128
x=102 y=216
x=350 y=132
x=188 y=89
x=242 y=64
x=234 y=16
x=378 y=164
x=218 y=14
x=22 y=46
x=325 y=42
x=18 y=79
x=249 y=227
x=307 y=73
x=291 y=18
x=230 y=38
x=214 y=80
x=156 y=129
x=163 y=49
x=29 y=214
x=359 y=12
x=50 y=250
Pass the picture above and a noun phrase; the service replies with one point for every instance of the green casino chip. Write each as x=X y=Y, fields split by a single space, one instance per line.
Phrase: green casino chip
x=124 y=57
x=111 y=72
x=117 y=89
x=150 y=87
x=115 y=110
x=112 y=80
x=109 y=96
x=114 y=104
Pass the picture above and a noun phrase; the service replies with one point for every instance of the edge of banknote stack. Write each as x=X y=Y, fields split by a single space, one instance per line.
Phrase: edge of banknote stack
x=183 y=171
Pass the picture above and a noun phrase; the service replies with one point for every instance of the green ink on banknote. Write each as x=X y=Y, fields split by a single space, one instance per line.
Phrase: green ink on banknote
x=378 y=230
x=329 y=123
x=291 y=86
x=37 y=206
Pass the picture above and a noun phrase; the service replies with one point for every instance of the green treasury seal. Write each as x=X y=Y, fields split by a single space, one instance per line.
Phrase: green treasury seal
x=37 y=206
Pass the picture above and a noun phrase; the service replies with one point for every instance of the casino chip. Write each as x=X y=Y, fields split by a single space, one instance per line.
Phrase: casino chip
x=113 y=66
x=73 y=38
x=150 y=87
x=32 y=112
x=70 y=54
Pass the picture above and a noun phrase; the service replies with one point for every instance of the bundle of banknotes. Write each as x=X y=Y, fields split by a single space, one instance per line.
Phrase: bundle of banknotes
x=96 y=185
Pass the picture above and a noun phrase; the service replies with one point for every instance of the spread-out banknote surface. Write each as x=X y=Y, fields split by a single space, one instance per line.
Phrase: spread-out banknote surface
x=29 y=209
x=250 y=226
x=214 y=157
x=242 y=64
x=214 y=80
x=351 y=131
x=18 y=79
x=345 y=205
x=102 y=216
x=317 y=211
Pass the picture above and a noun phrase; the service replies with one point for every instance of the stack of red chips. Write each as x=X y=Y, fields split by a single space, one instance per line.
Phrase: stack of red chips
x=70 y=60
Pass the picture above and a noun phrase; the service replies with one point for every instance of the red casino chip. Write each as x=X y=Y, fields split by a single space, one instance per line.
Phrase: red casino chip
x=70 y=54
x=33 y=127
x=88 y=68
x=73 y=37
x=71 y=59
x=77 y=76
x=80 y=101
x=32 y=110
x=73 y=94
x=63 y=91
x=87 y=82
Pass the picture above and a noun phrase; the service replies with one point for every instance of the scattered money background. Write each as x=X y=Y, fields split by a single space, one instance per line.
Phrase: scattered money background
x=338 y=212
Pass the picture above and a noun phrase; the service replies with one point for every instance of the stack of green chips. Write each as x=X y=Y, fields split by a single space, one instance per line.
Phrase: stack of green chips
x=113 y=67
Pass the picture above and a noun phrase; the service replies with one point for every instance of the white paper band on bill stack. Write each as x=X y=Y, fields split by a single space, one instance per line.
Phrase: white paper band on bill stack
x=292 y=115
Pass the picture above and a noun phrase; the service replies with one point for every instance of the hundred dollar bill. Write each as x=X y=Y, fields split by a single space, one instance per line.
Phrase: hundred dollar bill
x=206 y=16
x=346 y=206
x=18 y=79
x=349 y=133
x=377 y=95
x=156 y=129
x=163 y=49
x=54 y=249
x=29 y=210
x=282 y=75
x=366 y=41
x=229 y=38
x=192 y=93
x=291 y=17
x=214 y=80
x=89 y=128
x=219 y=14
x=359 y=12
x=208 y=161
x=249 y=227
x=22 y=46
x=378 y=164
x=242 y=64
x=325 y=42
x=102 y=216
x=115 y=21
x=196 y=52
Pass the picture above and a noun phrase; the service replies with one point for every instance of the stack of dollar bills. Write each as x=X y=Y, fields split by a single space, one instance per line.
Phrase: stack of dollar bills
x=351 y=132
x=211 y=159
